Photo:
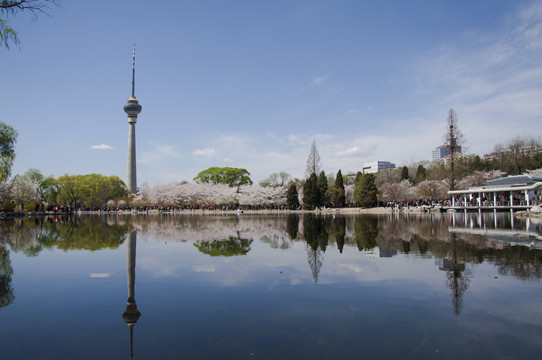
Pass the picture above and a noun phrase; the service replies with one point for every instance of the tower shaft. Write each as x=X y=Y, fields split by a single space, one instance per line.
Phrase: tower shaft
x=131 y=173
x=130 y=264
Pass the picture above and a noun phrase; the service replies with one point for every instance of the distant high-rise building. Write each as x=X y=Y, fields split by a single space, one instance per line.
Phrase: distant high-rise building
x=132 y=109
x=372 y=167
x=444 y=150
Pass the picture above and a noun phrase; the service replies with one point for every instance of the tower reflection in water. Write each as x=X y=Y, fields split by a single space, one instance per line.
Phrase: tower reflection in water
x=132 y=314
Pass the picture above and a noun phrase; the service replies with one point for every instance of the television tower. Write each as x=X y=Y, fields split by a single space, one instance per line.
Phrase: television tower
x=132 y=314
x=132 y=109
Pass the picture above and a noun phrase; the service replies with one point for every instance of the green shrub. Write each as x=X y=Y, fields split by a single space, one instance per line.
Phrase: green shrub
x=9 y=206
x=29 y=207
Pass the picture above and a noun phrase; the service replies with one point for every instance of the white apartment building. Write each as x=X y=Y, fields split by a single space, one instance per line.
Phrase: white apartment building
x=372 y=167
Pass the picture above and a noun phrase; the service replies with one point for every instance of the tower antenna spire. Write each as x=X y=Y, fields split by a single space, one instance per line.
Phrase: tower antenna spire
x=133 y=73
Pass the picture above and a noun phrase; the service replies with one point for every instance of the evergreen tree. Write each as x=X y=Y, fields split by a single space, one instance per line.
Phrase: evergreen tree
x=358 y=177
x=333 y=196
x=357 y=188
x=404 y=173
x=321 y=185
x=421 y=174
x=366 y=192
x=339 y=184
x=310 y=192
x=292 y=200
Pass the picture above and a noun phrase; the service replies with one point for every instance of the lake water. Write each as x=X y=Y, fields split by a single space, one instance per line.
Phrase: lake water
x=271 y=287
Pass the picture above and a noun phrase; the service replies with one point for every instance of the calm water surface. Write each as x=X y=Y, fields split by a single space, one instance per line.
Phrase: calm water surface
x=271 y=287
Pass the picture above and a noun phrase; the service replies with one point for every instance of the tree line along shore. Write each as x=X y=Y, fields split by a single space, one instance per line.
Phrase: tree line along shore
x=422 y=184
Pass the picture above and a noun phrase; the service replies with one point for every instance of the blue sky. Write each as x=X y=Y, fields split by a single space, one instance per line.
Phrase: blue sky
x=250 y=84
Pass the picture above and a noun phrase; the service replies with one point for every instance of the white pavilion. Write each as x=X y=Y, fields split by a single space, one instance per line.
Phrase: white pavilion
x=510 y=192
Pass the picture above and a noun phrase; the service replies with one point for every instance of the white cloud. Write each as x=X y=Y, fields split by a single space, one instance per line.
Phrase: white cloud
x=228 y=160
x=203 y=268
x=102 y=147
x=99 y=275
x=350 y=151
x=318 y=80
x=293 y=138
x=204 y=152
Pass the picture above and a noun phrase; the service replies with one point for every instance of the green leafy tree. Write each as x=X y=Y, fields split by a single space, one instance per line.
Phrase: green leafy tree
x=366 y=192
x=292 y=199
x=50 y=188
x=358 y=177
x=8 y=138
x=333 y=194
x=322 y=186
x=47 y=187
x=366 y=231
x=72 y=190
x=100 y=189
x=310 y=193
x=92 y=190
x=233 y=246
x=34 y=175
x=475 y=164
x=90 y=234
x=224 y=175
x=11 y=7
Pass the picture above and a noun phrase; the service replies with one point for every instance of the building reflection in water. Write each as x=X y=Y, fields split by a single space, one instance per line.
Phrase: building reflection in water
x=132 y=314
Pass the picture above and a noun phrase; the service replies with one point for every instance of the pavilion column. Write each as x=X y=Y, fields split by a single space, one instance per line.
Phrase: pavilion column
x=494 y=198
x=511 y=198
x=480 y=199
x=453 y=200
x=527 y=197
